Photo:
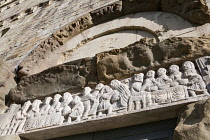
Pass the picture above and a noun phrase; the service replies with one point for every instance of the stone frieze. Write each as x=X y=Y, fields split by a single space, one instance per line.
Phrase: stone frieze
x=136 y=93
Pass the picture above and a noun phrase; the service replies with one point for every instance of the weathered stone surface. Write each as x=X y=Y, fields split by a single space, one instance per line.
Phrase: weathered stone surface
x=107 y=13
x=110 y=35
x=74 y=28
x=134 y=6
x=37 y=56
x=6 y=83
x=10 y=137
x=194 y=122
x=138 y=57
x=2 y=106
x=6 y=79
x=36 y=21
x=195 y=11
x=70 y=76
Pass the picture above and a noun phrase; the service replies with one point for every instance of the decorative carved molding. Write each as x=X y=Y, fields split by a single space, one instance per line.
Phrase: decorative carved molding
x=73 y=28
x=131 y=94
x=107 y=13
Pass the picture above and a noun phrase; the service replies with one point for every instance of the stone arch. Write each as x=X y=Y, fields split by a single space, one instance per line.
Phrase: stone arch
x=104 y=15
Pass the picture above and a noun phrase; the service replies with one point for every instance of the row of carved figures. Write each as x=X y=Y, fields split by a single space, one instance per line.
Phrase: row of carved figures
x=133 y=93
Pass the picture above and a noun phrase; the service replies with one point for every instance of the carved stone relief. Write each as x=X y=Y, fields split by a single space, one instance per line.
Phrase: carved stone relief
x=203 y=64
x=132 y=94
x=106 y=13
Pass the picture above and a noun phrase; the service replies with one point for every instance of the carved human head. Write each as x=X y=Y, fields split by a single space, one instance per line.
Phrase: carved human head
x=36 y=102
x=56 y=97
x=99 y=86
x=188 y=65
x=86 y=90
x=26 y=105
x=139 y=77
x=115 y=84
x=150 y=74
x=47 y=100
x=161 y=71
x=173 y=68
x=126 y=81
x=67 y=96
x=76 y=99
x=12 y=107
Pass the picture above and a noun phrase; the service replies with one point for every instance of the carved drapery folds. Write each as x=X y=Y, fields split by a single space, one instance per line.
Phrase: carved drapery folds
x=132 y=94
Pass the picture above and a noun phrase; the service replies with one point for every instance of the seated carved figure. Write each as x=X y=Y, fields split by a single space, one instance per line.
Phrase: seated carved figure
x=195 y=82
x=21 y=117
x=105 y=106
x=65 y=104
x=34 y=111
x=121 y=95
x=175 y=75
x=136 y=94
x=150 y=83
x=163 y=80
x=97 y=93
x=56 y=106
x=87 y=98
x=46 y=106
x=77 y=110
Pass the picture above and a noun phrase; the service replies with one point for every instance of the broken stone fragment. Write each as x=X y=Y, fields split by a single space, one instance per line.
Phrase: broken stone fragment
x=193 y=123
x=72 y=76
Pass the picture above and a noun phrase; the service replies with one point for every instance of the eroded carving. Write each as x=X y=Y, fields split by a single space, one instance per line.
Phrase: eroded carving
x=204 y=68
x=73 y=29
x=132 y=94
x=195 y=83
x=106 y=13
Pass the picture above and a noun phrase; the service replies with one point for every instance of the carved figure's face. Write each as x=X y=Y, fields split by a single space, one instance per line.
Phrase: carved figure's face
x=173 y=68
x=161 y=71
x=115 y=84
x=99 y=86
x=188 y=65
x=26 y=105
x=86 y=90
x=66 y=95
x=56 y=97
x=139 y=77
x=76 y=99
x=125 y=81
x=35 y=103
x=47 y=100
x=150 y=74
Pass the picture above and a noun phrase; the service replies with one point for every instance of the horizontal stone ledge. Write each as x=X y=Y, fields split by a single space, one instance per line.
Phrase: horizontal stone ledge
x=150 y=114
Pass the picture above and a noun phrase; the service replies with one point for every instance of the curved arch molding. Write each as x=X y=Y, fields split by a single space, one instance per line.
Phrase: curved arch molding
x=197 y=13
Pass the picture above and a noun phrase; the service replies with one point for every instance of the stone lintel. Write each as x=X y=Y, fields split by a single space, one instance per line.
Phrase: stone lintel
x=155 y=113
